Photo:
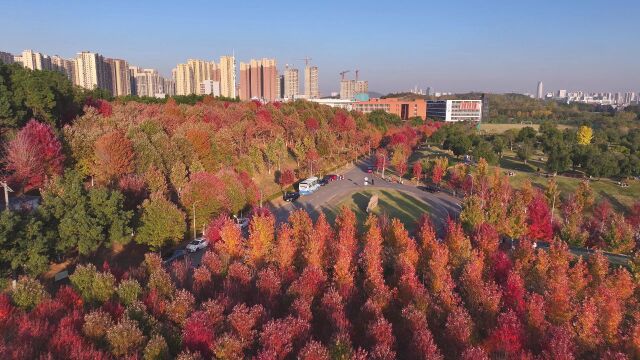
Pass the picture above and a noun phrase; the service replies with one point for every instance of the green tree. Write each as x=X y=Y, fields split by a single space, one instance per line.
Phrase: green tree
x=161 y=223
x=525 y=150
x=485 y=151
x=85 y=219
x=25 y=243
x=559 y=159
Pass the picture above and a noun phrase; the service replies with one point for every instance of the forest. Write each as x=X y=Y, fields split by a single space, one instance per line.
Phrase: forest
x=313 y=290
x=115 y=171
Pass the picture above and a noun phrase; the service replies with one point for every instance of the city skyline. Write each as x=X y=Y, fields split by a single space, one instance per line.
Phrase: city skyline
x=497 y=47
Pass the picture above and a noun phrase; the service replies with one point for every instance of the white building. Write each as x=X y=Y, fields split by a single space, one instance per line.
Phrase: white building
x=455 y=110
x=210 y=87
x=336 y=103
x=540 y=91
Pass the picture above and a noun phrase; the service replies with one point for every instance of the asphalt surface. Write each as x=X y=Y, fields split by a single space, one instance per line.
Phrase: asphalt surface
x=443 y=205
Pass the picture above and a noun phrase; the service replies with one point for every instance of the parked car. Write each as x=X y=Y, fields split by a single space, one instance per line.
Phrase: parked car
x=241 y=222
x=197 y=244
x=323 y=182
x=429 y=188
x=173 y=256
x=370 y=169
x=291 y=196
x=331 y=177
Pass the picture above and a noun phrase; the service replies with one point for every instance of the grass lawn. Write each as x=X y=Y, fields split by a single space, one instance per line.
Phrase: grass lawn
x=500 y=128
x=621 y=198
x=393 y=203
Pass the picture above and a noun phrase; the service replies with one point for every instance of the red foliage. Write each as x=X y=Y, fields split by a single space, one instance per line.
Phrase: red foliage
x=34 y=155
x=417 y=170
x=287 y=177
x=212 y=231
x=114 y=156
x=487 y=239
x=507 y=338
x=312 y=124
x=501 y=267
x=197 y=334
x=343 y=122
x=437 y=172
x=5 y=308
x=539 y=219
x=278 y=336
x=514 y=293
x=422 y=345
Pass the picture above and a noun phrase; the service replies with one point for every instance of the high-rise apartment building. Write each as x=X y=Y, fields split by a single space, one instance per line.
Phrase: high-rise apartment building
x=147 y=82
x=185 y=82
x=540 y=90
x=120 y=77
x=361 y=87
x=6 y=58
x=291 y=83
x=311 y=89
x=202 y=70
x=259 y=79
x=228 y=76
x=91 y=71
x=64 y=66
x=280 y=87
x=35 y=61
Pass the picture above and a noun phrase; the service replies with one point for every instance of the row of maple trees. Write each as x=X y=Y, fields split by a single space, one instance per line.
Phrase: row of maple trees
x=168 y=165
x=312 y=290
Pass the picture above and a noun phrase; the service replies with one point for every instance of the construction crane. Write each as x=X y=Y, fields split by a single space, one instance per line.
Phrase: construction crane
x=343 y=73
x=306 y=60
x=357 y=71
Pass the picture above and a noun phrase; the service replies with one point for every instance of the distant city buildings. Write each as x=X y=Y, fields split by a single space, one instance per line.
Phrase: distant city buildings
x=6 y=58
x=540 y=90
x=91 y=71
x=64 y=66
x=455 y=110
x=228 y=76
x=259 y=80
x=350 y=88
x=291 y=83
x=311 y=89
x=120 y=77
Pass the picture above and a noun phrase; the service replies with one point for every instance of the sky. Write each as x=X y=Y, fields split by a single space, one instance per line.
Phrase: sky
x=490 y=46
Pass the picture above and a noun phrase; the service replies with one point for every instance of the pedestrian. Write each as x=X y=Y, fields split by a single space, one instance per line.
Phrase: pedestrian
x=372 y=181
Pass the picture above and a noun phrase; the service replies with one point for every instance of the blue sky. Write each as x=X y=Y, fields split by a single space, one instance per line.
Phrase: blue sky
x=495 y=45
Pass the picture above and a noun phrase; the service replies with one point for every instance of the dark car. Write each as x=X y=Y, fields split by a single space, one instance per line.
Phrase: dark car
x=173 y=256
x=370 y=169
x=323 y=182
x=429 y=188
x=291 y=196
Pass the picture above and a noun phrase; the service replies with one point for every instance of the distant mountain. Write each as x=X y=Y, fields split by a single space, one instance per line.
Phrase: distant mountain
x=373 y=94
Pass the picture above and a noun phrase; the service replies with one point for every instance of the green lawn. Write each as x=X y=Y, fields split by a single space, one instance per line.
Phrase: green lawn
x=393 y=203
x=621 y=198
x=488 y=128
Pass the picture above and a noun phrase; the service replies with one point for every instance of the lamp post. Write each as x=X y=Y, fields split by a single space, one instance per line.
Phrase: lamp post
x=194 y=218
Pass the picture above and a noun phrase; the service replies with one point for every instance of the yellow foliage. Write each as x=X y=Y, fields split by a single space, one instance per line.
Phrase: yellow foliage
x=585 y=135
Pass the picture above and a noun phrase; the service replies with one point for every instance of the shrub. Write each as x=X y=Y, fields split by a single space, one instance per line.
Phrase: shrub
x=125 y=337
x=156 y=349
x=28 y=293
x=129 y=291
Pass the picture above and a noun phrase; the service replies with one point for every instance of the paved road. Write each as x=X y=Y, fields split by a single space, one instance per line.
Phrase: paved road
x=328 y=196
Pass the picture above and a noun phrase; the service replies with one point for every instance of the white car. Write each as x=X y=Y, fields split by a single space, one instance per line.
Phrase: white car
x=241 y=222
x=197 y=244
